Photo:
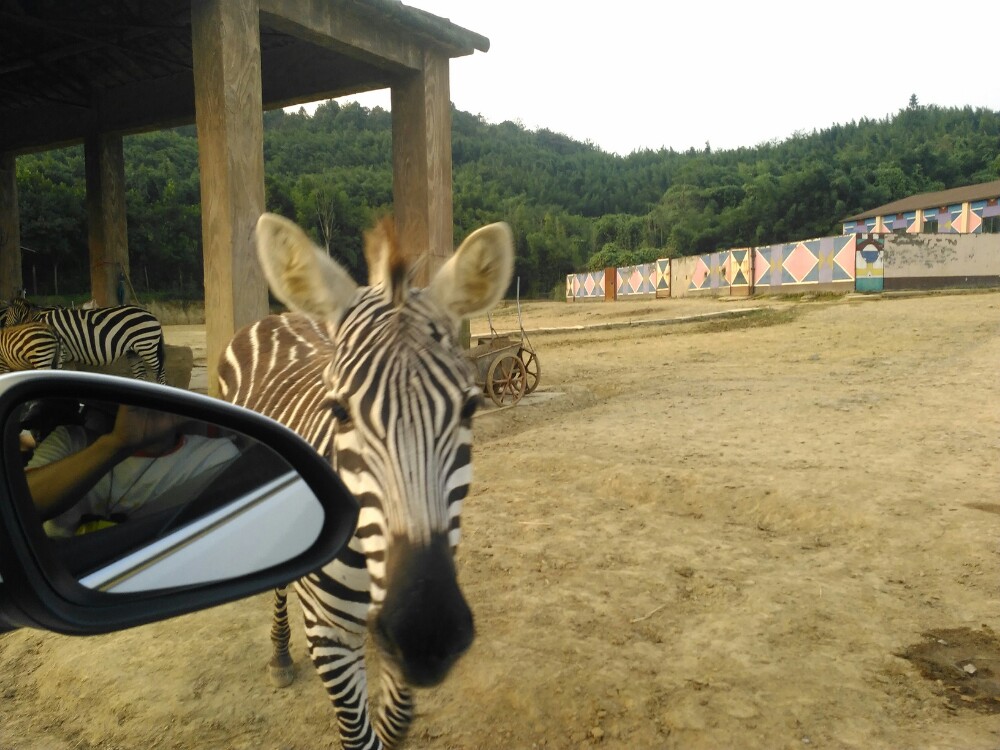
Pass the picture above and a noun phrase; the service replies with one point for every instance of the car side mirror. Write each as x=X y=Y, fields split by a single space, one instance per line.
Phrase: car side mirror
x=124 y=502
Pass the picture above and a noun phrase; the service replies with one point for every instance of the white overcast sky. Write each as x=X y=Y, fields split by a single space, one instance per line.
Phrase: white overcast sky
x=634 y=74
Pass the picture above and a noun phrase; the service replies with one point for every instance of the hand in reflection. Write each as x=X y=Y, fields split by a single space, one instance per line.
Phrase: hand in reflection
x=136 y=427
x=77 y=477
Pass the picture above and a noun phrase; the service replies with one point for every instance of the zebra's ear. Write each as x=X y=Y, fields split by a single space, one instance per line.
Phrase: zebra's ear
x=300 y=274
x=478 y=274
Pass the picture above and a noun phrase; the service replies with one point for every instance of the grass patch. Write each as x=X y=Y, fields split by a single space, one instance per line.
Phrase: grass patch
x=763 y=317
x=807 y=297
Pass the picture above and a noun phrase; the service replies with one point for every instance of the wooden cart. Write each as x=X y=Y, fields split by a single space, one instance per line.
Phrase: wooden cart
x=507 y=366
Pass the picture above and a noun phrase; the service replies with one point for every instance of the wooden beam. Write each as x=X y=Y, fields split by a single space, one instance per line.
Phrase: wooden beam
x=106 y=222
x=292 y=74
x=340 y=27
x=421 y=162
x=227 y=72
x=11 y=282
x=302 y=72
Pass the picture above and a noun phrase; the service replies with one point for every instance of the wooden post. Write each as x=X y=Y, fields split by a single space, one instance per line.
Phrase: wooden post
x=227 y=68
x=10 y=230
x=610 y=284
x=106 y=221
x=421 y=160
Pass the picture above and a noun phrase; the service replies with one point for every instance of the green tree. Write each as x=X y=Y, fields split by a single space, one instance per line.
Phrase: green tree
x=570 y=204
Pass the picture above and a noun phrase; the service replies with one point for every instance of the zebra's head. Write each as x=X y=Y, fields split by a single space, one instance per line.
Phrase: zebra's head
x=10 y=315
x=15 y=312
x=402 y=394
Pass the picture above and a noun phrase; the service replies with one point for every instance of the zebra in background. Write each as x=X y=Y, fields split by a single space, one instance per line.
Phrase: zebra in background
x=29 y=346
x=375 y=379
x=18 y=311
x=101 y=335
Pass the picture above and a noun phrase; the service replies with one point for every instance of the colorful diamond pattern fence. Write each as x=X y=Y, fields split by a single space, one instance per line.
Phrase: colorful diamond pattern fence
x=801 y=262
x=769 y=267
x=720 y=270
x=636 y=280
x=761 y=267
x=835 y=258
x=663 y=277
x=701 y=274
x=588 y=285
x=739 y=268
x=828 y=261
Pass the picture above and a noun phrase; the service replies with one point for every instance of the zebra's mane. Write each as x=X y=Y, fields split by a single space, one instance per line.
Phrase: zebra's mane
x=386 y=263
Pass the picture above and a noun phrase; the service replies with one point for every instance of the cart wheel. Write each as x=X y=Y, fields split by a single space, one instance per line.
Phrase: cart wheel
x=532 y=368
x=507 y=380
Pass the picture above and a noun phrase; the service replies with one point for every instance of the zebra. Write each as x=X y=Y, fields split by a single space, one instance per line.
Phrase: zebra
x=101 y=335
x=29 y=346
x=374 y=378
x=18 y=311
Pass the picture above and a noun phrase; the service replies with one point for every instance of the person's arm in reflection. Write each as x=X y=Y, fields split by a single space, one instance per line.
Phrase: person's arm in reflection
x=56 y=485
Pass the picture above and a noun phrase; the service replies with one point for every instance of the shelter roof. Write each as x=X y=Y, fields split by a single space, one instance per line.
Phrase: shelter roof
x=70 y=67
x=937 y=199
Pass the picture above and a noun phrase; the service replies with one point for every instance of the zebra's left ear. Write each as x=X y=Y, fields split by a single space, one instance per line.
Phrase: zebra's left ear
x=300 y=274
x=478 y=274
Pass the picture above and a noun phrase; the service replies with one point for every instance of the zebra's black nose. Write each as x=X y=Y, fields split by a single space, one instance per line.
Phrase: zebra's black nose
x=425 y=622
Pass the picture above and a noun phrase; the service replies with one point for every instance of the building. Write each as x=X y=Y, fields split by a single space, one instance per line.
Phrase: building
x=973 y=209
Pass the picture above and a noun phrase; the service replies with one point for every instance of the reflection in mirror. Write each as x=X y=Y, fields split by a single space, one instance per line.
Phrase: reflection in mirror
x=134 y=499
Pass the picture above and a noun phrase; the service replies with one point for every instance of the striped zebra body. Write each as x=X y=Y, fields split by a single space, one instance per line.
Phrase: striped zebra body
x=374 y=379
x=275 y=366
x=28 y=346
x=102 y=335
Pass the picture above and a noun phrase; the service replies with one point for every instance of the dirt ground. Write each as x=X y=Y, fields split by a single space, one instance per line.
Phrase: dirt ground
x=766 y=529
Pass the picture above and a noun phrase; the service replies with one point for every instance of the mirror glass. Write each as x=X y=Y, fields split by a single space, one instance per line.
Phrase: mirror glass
x=133 y=499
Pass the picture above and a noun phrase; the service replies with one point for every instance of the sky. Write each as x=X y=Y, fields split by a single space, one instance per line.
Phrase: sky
x=628 y=75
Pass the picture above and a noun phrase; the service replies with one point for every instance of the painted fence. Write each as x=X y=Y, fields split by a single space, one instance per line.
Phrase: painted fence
x=845 y=263
x=585 y=286
x=825 y=264
x=636 y=281
x=663 y=278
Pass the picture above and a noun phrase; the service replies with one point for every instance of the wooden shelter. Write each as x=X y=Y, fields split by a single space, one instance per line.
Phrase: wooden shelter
x=91 y=71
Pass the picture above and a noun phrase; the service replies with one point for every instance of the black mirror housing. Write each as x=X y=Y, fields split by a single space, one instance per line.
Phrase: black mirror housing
x=39 y=590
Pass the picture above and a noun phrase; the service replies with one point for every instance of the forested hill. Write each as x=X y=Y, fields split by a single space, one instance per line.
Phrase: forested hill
x=571 y=205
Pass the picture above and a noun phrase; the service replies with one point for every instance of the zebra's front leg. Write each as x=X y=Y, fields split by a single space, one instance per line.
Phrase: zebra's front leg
x=341 y=667
x=281 y=668
x=395 y=710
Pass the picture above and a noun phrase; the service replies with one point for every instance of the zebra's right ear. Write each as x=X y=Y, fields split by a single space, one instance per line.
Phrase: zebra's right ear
x=477 y=274
x=300 y=274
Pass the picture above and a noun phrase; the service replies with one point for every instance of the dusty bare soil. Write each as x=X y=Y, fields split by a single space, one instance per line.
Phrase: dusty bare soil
x=775 y=529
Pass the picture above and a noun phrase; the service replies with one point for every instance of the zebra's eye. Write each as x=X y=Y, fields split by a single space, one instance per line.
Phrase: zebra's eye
x=340 y=412
x=470 y=407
